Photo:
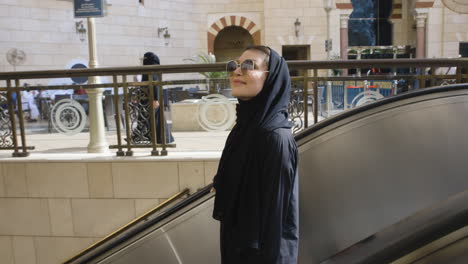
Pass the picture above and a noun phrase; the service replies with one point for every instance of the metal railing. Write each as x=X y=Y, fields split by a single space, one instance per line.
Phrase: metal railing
x=313 y=89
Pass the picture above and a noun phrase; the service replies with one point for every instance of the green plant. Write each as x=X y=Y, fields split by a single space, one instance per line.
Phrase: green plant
x=336 y=72
x=206 y=58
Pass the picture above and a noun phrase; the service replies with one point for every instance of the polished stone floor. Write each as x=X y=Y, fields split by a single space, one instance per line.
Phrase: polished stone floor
x=55 y=145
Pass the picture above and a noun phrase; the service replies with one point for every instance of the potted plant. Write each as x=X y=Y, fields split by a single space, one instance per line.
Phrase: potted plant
x=211 y=77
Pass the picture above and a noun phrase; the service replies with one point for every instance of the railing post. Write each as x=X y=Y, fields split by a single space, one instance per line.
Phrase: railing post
x=315 y=96
x=329 y=98
x=11 y=110
x=305 y=92
x=431 y=76
x=345 y=96
x=459 y=73
x=152 y=116
x=117 y=116
x=128 y=125
x=162 y=120
x=21 y=120
x=422 y=77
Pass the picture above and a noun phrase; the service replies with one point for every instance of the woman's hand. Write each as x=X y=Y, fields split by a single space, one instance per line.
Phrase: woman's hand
x=155 y=104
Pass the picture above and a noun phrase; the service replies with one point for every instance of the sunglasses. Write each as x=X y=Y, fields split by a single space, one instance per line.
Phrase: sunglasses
x=245 y=66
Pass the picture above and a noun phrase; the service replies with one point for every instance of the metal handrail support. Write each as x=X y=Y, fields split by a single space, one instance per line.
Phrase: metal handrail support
x=120 y=152
x=25 y=153
x=152 y=117
x=11 y=110
x=127 y=118
x=162 y=120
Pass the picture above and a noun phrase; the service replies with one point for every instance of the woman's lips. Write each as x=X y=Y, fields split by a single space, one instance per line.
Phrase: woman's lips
x=238 y=82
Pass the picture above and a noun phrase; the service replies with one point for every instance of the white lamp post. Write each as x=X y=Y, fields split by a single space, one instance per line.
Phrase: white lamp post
x=328 y=5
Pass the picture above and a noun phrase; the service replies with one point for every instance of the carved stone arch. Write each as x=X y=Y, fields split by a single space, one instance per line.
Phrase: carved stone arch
x=424 y=3
x=459 y=6
x=228 y=21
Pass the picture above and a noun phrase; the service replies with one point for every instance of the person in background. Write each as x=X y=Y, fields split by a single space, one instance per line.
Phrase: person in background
x=143 y=129
x=29 y=100
x=256 y=183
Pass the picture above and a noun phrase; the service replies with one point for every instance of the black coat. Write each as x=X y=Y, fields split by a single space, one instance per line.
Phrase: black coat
x=256 y=182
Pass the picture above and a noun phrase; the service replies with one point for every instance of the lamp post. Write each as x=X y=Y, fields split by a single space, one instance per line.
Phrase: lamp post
x=297 y=27
x=327 y=5
x=97 y=138
x=166 y=35
x=80 y=30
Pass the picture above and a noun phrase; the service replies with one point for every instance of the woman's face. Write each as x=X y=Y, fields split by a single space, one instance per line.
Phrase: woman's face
x=246 y=85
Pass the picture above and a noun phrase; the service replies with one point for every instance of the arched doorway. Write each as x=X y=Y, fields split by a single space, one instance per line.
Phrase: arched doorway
x=230 y=42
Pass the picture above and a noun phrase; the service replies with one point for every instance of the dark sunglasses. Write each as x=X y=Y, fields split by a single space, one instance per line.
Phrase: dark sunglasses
x=245 y=66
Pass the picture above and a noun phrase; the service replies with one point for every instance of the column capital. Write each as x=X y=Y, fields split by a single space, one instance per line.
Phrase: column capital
x=420 y=17
x=344 y=17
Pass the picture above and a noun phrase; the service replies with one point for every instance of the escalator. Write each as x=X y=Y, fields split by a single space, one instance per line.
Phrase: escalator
x=383 y=183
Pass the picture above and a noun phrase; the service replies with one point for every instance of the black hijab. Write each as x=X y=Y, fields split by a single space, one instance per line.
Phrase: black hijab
x=150 y=59
x=236 y=182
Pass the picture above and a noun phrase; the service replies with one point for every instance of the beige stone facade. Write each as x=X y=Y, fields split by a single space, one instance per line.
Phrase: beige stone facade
x=45 y=30
x=52 y=210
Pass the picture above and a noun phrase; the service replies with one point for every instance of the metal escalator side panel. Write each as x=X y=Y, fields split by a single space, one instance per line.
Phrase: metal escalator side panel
x=376 y=167
x=191 y=237
x=452 y=248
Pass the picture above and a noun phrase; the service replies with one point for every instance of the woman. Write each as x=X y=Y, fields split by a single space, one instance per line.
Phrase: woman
x=143 y=129
x=256 y=183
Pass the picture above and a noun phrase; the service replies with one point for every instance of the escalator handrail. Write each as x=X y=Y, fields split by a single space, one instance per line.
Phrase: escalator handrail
x=97 y=250
x=408 y=234
x=420 y=92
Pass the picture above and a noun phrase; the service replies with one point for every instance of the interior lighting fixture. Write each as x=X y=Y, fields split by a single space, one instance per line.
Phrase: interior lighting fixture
x=297 y=27
x=166 y=34
x=328 y=5
x=80 y=30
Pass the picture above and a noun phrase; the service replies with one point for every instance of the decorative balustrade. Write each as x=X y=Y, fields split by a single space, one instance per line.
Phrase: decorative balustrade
x=314 y=95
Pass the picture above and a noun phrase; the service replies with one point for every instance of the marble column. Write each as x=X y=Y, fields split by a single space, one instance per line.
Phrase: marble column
x=344 y=18
x=97 y=136
x=420 y=17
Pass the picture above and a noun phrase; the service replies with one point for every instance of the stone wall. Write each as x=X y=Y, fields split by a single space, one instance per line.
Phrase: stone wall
x=53 y=210
x=445 y=30
x=280 y=16
x=45 y=29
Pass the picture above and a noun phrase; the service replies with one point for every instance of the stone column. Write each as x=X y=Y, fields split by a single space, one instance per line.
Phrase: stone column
x=344 y=18
x=420 y=15
x=97 y=136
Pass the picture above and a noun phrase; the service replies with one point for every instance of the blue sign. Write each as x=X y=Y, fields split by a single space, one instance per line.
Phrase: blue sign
x=89 y=8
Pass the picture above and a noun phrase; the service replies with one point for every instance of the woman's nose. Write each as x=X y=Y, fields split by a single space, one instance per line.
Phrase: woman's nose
x=238 y=71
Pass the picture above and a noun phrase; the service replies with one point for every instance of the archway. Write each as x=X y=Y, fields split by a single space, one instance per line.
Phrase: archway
x=230 y=42
x=233 y=21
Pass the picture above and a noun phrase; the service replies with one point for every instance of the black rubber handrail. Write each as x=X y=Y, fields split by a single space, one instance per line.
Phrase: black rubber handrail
x=408 y=235
x=420 y=92
x=93 y=253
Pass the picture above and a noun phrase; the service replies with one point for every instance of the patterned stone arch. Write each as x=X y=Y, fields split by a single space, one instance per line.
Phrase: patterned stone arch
x=228 y=21
x=457 y=6
x=397 y=10
x=424 y=3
